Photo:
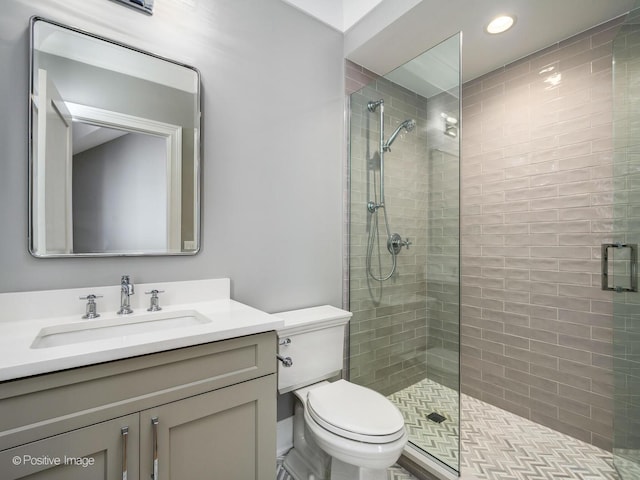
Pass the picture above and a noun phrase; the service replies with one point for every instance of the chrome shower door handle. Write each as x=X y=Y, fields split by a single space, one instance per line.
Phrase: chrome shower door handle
x=633 y=267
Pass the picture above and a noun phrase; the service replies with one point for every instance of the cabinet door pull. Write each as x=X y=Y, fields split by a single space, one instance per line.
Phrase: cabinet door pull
x=154 y=426
x=124 y=431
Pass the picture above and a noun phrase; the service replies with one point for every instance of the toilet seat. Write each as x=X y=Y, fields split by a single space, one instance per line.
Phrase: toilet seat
x=355 y=412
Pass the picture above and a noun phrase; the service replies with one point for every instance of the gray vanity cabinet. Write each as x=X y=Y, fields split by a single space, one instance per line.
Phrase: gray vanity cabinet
x=89 y=453
x=207 y=411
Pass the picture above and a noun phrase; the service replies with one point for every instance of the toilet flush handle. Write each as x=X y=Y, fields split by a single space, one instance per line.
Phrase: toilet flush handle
x=286 y=361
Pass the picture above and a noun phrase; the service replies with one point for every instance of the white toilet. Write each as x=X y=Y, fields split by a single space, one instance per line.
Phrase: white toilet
x=350 y=431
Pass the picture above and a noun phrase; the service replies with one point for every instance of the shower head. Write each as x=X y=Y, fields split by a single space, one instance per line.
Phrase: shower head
x=408 y=125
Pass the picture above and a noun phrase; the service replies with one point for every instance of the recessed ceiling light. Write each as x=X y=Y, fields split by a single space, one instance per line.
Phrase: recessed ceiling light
x=501 y=24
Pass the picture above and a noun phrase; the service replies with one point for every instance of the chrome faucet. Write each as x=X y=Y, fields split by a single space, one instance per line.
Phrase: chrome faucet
x=126 y=290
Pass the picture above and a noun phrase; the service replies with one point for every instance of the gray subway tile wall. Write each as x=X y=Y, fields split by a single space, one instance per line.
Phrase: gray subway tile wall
x=405 y=328
x=388 y=328
x=626 y=214
x=537 y=202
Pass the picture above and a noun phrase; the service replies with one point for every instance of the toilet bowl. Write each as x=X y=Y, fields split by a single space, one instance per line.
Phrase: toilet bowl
x=342 y=431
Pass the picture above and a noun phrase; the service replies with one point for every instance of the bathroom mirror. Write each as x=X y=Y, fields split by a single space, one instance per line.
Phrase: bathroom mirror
x=114 y=148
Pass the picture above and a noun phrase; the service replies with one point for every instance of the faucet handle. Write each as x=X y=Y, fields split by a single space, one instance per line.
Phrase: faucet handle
x=154 y=304
x=126 y=283
x=92 y=309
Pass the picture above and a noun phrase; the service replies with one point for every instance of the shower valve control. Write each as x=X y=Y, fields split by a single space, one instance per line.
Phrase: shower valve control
x=395 y=244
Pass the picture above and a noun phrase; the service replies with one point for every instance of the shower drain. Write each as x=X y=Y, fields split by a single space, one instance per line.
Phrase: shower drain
x=436 y=417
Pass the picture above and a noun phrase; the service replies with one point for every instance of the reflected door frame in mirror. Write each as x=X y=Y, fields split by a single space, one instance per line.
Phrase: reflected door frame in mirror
x=114 y=157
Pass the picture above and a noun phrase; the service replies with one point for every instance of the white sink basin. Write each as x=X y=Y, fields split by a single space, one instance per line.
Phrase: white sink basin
x=100 y=329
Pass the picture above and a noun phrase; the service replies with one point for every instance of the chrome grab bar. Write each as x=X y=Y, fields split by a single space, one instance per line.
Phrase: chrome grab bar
x=633 y=267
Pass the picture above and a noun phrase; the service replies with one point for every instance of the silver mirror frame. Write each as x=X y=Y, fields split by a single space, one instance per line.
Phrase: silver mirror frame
x=197 y=171
x=145 y=6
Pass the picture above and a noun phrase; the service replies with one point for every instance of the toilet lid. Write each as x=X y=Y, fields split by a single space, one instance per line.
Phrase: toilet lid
x=355 y=412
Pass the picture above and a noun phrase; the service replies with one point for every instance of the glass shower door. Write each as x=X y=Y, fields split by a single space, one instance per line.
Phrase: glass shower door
x=620 y=259
x=404 y=274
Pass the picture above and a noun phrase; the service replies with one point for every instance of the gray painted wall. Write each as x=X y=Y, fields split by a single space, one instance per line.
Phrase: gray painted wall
x=272 y=82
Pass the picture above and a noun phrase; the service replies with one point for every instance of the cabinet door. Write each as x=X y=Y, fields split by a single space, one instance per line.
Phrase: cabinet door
x=91 y=453
x=225 y=434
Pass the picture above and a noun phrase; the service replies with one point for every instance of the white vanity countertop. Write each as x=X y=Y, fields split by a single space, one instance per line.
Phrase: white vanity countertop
x=228 y=319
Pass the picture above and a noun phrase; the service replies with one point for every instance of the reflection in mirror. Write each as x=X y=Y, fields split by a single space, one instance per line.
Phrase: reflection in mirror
x=135 y=162
x=114 y=156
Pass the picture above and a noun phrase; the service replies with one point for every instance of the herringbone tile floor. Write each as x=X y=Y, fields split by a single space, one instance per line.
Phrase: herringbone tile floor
x=495 y=444
x=394 y=473
x=416 y=402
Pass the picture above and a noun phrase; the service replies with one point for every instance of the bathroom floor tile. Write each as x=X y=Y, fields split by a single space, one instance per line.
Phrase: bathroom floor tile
x=496 y=444
x=422 y=399
x=629 y=469
x=393 y=473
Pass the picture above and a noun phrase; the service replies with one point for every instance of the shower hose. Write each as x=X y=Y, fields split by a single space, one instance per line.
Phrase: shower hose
x=374 y=237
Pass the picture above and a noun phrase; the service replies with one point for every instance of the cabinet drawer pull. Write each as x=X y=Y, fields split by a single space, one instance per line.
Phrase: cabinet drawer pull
x=154 y=427
x=124 y=431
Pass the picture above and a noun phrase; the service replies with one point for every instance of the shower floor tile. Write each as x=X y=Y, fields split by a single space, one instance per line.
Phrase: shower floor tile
x=496 y=444
x=421 y=399
x=630 y=469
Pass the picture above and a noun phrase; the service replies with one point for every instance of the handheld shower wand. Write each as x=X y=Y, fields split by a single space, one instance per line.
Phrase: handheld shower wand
x=408 y=125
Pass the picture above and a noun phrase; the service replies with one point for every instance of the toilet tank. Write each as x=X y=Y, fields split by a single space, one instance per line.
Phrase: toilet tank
x=314 y=340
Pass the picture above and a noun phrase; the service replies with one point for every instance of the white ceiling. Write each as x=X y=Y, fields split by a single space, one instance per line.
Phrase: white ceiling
x=340 y=14
x=391 y=32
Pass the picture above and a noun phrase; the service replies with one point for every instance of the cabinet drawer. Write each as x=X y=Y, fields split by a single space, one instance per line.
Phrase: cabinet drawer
x=46 y=405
